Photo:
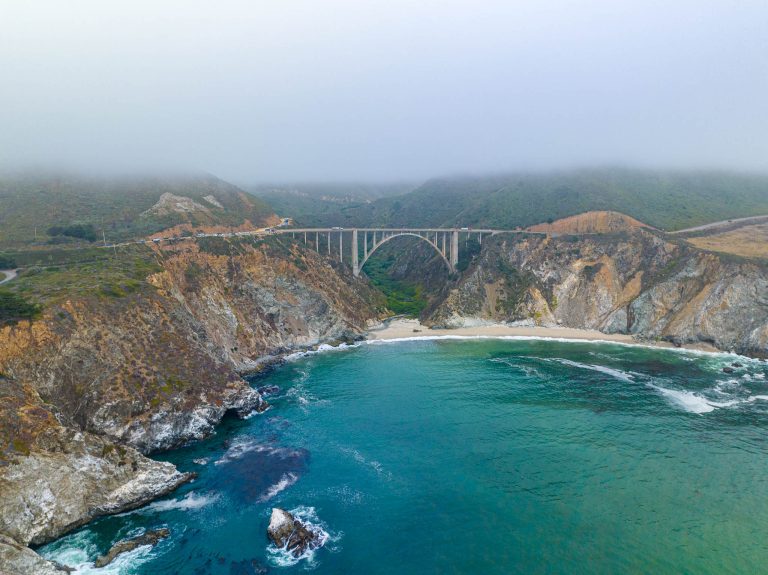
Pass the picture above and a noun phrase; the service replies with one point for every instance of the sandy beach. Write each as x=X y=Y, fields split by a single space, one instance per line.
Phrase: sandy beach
x=399 y=328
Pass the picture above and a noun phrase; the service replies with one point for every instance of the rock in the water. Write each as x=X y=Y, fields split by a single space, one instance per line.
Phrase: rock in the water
x=736 y=364
x=147 y=538
x=269 y=390
x=727 y=369
x=286 y=531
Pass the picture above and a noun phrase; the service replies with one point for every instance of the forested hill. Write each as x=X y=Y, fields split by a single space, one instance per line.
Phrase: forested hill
x=667 y=200
x=324 y=203
x=64 y=208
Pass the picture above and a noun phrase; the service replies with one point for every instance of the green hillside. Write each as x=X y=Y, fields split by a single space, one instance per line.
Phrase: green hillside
x=66 y=209
x=668 y=200
x=318 y=204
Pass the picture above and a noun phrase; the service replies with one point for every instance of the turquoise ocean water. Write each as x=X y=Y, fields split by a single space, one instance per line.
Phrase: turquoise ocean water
x=477 y=456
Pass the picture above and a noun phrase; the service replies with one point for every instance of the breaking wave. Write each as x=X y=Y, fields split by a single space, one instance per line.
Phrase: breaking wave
x=285 y=482
x=245 y=446
x=190 y=502
x=79 y=551
x=617 y=373
x=322 y=348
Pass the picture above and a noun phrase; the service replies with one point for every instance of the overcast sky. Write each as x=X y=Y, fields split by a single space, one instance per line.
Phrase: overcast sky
x=265 y=90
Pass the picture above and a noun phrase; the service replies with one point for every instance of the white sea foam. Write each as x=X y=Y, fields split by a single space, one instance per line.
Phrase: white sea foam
x=322 y=348
x=360 y=458
x=201 y=461
x=190 y=502
x=304 y=398
x=285 y=482
x=281 y=557
x=688 y=400
x=730 y=356
x=617 y=373
x=244 y=446
x=75 y=551
x=526 y=369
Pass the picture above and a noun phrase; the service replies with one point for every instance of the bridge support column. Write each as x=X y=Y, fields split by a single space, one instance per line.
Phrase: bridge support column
x=454 y=249
x=355 y=255
x=317 y=242
x=341 y=247
x=365 y=245
x=443 y=244
x=329 y=243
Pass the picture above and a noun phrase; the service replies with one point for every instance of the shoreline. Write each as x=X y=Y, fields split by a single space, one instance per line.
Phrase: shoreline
x=402 y=328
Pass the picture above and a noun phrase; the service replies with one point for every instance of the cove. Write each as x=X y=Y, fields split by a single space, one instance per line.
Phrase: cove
x=479 y=456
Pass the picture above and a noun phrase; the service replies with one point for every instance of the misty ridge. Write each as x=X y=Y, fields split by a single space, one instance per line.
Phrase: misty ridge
x=392 y=91
x=129 y=119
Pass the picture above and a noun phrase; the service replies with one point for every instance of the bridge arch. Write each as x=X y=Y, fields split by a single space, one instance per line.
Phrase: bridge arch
x=385 y=239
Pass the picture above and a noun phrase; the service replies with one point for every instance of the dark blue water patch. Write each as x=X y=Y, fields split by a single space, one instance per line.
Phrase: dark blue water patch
x=252 y=471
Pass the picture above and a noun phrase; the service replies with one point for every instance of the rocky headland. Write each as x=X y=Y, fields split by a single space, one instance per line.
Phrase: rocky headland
x=96 y=383
x=636 y=282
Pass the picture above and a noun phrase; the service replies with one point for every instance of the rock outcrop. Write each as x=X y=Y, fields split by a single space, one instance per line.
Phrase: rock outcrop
x=97 y=381
x=285 y=531
x=637 y=282
x=150 y=537
x=16 y=559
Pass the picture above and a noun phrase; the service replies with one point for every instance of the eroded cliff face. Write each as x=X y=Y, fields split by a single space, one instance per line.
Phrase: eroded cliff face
x=635 y=282
x=97 y=381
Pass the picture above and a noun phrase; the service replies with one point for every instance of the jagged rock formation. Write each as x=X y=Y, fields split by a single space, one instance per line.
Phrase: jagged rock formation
x=636 y=282
x=16 y=559
x=286 y=531
x=150 y=537
x=96 y=381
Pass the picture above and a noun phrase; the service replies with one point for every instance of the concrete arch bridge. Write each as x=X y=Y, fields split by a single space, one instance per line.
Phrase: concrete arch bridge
x=365 y=241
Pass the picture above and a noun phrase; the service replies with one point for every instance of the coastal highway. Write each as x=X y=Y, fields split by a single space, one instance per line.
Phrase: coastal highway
x=7 y=275
x=724 y=224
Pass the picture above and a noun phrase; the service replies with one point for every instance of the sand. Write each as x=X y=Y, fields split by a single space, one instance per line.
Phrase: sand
x=399 y=328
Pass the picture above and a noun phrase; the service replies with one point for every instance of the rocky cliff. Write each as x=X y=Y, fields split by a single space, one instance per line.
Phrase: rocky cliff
x=636 y=281
x=98 y=379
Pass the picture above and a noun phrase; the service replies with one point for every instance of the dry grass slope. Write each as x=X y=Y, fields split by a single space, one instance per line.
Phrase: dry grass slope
x=747 y=241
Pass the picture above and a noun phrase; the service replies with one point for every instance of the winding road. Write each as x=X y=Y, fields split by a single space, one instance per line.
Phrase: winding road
x=724 y=223
x=7 y=275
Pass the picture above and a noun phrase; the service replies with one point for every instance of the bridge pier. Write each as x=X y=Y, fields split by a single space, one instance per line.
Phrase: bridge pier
x=355 y=255
x=454 y=249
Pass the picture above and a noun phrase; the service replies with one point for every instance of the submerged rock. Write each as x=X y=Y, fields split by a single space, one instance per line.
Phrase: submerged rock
x=247 y=567
x=269 y=390
x=150 y=537
x=736 y=364
x=286 y=531
x=727 y=369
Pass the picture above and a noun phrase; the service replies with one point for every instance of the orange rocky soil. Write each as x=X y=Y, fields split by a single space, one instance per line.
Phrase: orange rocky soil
x=590 y=223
